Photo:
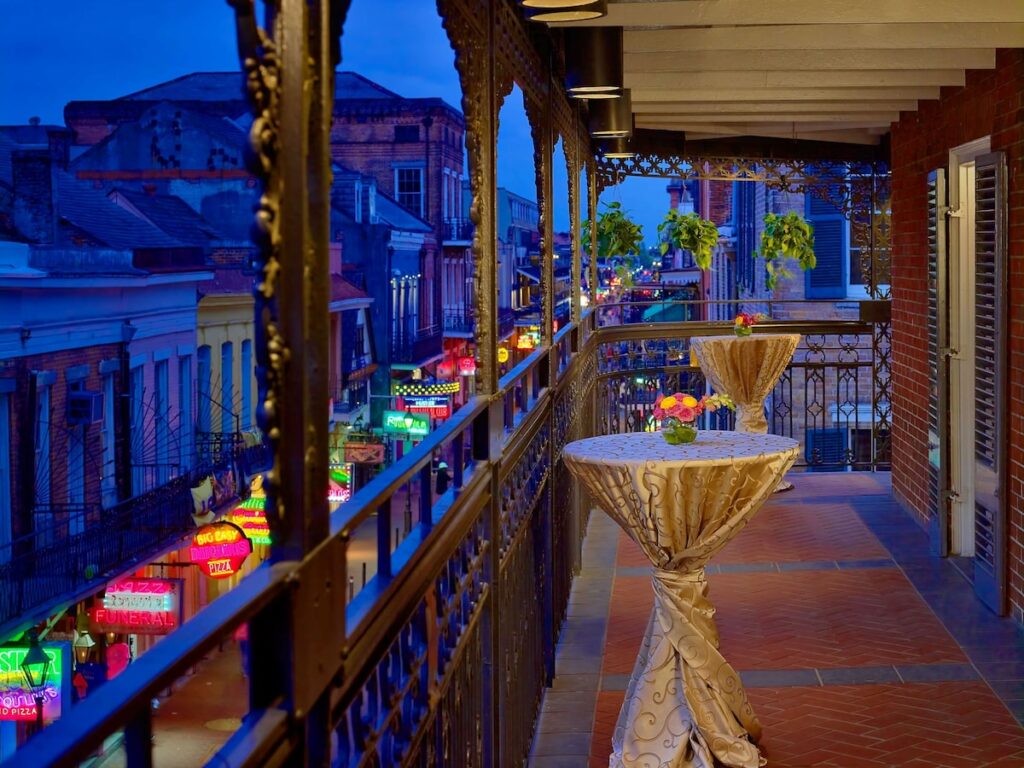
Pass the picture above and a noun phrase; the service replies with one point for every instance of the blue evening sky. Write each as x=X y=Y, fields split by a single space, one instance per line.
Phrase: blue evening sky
x=56 y=51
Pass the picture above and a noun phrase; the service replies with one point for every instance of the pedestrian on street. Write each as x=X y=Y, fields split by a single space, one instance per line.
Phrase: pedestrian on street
x=443 y=479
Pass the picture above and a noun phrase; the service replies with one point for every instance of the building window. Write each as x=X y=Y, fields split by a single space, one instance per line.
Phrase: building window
x=405 y=134
x=204 y=403
x=76 y=471
x=6 y=532
x=227 y=387
x=137 y=429
x=108 y=479
x=42 y=443
x=409 y=189
x=185 y=410
x=246 y=374
x=444 y=195
x=161 y=416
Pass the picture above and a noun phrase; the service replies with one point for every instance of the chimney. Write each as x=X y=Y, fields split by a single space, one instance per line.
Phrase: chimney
x=34 y=206
x=675 y=189
x=334 y=258
x=59 y=142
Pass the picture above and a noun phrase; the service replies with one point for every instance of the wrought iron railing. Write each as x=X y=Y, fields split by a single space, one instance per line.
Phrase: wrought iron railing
x=458 y=230
x=459 y=319
x=417 y=346
x=75 y=548
x=442 y=657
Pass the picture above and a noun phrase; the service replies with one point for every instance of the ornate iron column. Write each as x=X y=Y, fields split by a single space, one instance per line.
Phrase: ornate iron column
x=289 y=67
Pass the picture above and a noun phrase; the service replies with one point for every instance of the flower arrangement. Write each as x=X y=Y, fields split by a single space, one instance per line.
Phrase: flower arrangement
x=678 y=414
x=745 y=322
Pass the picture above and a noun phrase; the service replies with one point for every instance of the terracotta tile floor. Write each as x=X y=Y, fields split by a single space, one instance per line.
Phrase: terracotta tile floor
x=846 y=663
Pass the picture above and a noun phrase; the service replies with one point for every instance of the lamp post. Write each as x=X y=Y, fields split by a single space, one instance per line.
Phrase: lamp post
x=84 y=642
x=36 y=668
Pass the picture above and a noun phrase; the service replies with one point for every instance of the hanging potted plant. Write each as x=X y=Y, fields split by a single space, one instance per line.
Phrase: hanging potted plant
x=689 y=232
x=787 y=236
x=619 y=240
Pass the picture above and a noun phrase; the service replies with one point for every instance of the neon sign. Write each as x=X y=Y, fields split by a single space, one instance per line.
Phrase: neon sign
x=402 y=423
x=528 y=339
x=424 y=403
x=339 y=484
x=252 y=519
x=16 y=700
x=219 y=549
x=503 y=354
x=467 y=366
x=438 y=388
x=139 y=607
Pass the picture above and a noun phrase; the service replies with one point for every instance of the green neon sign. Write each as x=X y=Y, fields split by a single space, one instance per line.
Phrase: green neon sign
x=402 y=423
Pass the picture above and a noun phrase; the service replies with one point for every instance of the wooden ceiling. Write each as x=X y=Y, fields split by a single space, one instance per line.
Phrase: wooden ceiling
x=826 y=70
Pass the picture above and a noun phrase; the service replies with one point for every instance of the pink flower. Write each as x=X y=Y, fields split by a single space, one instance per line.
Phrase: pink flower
x=659 y=412
x=685 y=413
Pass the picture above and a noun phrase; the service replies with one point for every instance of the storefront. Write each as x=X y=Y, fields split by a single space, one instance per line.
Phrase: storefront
x=28 y=694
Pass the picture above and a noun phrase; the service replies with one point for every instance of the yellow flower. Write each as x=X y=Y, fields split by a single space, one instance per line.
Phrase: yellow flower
x=668 y=402
x=689 y=401
x=739 y=319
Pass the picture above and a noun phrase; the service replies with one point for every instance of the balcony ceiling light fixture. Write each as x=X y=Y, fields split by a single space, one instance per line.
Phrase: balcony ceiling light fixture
x=611 y=118
x=615 y=148
x=593 y=62
x=550 y=11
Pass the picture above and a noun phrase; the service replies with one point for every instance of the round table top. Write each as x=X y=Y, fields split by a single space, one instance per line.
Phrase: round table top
x=732 y=338
x=711 y=447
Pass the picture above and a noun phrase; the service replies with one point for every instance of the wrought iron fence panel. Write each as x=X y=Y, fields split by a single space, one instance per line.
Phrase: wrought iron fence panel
x=832 y=398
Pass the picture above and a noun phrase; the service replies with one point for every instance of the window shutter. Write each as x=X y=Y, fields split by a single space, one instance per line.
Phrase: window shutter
x=938 y=363
x=990 y=373
x=828 y=279
x=825 y=449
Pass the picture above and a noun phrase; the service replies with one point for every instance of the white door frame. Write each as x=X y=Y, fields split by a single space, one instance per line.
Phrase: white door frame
x=961 y=341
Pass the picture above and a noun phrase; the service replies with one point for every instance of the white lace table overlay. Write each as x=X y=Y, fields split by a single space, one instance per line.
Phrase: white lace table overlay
x=746 y=368
x=681 y=504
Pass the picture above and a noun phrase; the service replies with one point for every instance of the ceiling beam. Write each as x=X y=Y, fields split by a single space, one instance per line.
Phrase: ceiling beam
x=773 y=117
x=784 y=129
x=731 y=107
x=787 y=37
x=669 y=143
x=739 y=13
x=683 y=92
x=852 y=136
x=814 y=60
x=884 y=78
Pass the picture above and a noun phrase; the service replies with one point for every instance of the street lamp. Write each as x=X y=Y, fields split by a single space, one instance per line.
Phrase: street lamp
x=36 y=667
x=84 y=642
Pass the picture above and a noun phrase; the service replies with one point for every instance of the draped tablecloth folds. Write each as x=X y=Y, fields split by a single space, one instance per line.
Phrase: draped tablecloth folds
x=681 y=504
x=746 y=368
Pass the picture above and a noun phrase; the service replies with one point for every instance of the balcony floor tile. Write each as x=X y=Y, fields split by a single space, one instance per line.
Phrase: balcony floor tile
x=857 y=647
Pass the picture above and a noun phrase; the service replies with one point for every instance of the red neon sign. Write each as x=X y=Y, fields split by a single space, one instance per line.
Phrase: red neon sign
x=467 y=366
x=140 y=607
x=219 y=549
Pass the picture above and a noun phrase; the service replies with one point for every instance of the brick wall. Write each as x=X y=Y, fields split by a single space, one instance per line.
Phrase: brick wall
x=367 y=145
x=22 y=423
x=720 y=202
x=990 y=104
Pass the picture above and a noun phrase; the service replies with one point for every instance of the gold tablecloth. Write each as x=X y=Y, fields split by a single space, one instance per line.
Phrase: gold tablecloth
x=746 y=368
x=684 y=704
